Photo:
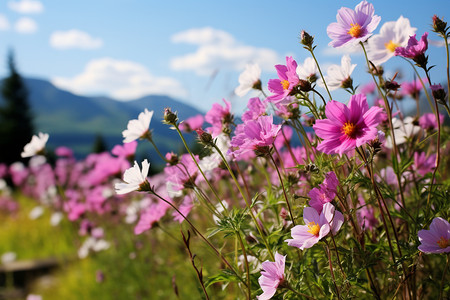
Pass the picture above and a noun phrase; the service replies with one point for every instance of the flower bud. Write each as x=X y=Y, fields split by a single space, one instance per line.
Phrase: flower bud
x=439 y=26
x=391 y=85
x=438 y=93
x=169 y=116
x=306 y=39
x=204 y=137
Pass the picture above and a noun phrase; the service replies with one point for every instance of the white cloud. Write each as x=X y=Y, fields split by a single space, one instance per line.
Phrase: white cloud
x=440 y=43
x=219 y=50
x=4 y=23
x=26 y=6
x=119 y=79
x=74 y=39
x=25 y=25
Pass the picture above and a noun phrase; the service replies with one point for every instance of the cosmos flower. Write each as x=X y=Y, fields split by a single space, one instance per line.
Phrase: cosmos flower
x=286 y=81
x=139 y=128
x=255 y=135
x=192 y=123
x=249 y=79
x=308 y=70
x=381 y=47
x=256 y=108
x=347 y=126
x=339 y=76
x=36 y=145
x=324 y=193
x=423 y=164
x=134 y=178
x=316 y=226
x=353 y=26
x=219 y=117
x=437 y=239
x=402 y=131
x=428 y=121
x=415 y=48
x=272 y=276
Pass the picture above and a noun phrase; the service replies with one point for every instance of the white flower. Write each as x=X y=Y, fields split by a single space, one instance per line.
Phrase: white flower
x=402 y=131
x=307 y=69
x=36 y=145
x=94 y=244
x=212 y=161
x=56 y=218
x=336 y=75
x=8 y=257
x=138 y=128
x=248 y=79
x=392 y=34
x=133 y=178
x=36 y=212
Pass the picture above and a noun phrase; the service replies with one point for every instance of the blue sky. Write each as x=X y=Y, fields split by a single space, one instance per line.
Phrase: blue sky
x=191 y=50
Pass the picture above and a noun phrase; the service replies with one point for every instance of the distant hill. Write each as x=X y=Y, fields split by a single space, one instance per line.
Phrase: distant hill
x=74 y=121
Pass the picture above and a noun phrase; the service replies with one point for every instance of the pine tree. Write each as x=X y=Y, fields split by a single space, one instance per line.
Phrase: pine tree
x=16 y=121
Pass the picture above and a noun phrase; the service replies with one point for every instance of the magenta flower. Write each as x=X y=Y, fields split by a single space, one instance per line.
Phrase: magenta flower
x=317 y=226
x=218 y=117
x=353 y=26
x=255 y=135
x=192 y=123
x=324 y=193
x=437 y=239
x=287 y=80
x=272 y=276
x=347 y=127
x=415 y=48
x=256 y=108
x=428 y=121
x=423 y=164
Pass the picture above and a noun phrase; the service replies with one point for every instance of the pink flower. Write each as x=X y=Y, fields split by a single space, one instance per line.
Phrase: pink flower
x=324 y=193
x=353 y=26
x=347 y=127
x=272 y=276
x=428 y=121
x=255 y=107
x=366 y=215
x=255 y=135
x=415 y=48
x=412 y=88
x=218 y=117
x=287 y=80
x=150 y=216
x=317 y=226
x=423 y=164
x=185 y=208
x=437 y=239
x=127 y=150
x=192 y=123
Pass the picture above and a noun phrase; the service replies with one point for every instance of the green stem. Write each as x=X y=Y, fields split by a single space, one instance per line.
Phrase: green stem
x=247 y=268
x=320 y=71
x=284 y=190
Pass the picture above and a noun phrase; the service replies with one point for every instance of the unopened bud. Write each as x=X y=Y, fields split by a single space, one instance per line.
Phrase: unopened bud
x=306 y=39
x=439 y=26
x=391 y=85
x=438 y=93
x=204 y=137
x=169 y=116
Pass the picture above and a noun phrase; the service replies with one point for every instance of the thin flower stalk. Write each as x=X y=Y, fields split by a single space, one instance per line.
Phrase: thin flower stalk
x=283 y=188
x=199 y=168
x=246 y=202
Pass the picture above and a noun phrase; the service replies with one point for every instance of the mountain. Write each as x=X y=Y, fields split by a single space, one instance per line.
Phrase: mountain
x=74 y=121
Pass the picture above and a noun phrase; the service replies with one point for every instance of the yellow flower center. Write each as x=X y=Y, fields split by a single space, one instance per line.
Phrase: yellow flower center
x=285 y=84
x=391 y=46
x=443 y=242
x=355 y=30
x=349 y=129
x=314 y=228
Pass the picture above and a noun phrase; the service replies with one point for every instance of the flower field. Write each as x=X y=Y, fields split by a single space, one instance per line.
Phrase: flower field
x=303 y=196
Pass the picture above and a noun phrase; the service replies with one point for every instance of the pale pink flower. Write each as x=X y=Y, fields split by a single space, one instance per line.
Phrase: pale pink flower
x=437 y=239
x=272 y=276
x=316 y=226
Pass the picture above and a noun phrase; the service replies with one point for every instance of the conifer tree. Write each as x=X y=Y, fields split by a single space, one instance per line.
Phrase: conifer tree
x=16 y=121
